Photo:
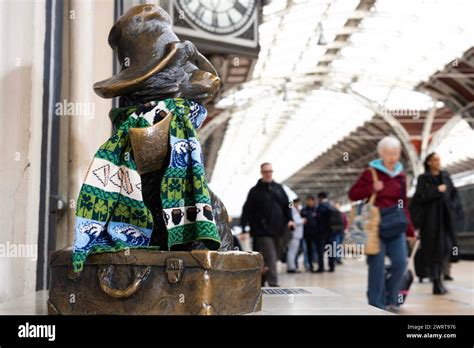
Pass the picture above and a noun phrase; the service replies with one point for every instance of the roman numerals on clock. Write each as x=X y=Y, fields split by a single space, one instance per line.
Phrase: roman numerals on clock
x=221 y=17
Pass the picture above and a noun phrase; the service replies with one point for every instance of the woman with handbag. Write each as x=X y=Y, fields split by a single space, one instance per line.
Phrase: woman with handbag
x=436 y=207
x=384 y=183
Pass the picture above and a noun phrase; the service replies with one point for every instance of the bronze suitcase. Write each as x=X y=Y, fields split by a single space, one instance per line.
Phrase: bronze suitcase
x=148 y=282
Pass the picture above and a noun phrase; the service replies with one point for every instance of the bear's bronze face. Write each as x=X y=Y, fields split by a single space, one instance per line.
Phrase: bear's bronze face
x=187 y=75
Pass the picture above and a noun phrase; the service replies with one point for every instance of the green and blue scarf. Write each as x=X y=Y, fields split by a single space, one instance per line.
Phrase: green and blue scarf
x=110 y=213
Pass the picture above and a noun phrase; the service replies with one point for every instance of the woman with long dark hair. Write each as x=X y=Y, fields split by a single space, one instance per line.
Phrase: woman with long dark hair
x=436 y=207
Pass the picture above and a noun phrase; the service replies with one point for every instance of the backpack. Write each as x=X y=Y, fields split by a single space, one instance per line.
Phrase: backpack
x=336 y=222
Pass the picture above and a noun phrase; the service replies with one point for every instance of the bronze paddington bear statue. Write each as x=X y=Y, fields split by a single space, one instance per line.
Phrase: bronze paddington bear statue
x=150 y=237
x=159 y=195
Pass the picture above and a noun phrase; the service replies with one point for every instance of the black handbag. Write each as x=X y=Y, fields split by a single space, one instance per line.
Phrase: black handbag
x=393 y=220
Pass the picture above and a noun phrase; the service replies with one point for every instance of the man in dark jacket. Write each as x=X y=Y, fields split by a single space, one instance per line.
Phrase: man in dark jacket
x=324 y=235
x=268 y=213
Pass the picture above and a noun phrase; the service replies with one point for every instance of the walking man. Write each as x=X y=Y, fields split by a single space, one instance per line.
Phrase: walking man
x=267 y=211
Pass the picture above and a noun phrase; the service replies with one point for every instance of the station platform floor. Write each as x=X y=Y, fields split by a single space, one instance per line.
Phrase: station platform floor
x=338 y=293
x=350 y=281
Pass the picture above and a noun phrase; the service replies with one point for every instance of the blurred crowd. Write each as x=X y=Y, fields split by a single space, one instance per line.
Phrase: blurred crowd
x=381 y=219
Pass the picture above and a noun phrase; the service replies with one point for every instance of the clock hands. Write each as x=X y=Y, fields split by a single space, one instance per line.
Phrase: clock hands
x=219 y=17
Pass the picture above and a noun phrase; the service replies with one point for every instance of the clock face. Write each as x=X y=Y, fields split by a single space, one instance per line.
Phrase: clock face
x=221 y=17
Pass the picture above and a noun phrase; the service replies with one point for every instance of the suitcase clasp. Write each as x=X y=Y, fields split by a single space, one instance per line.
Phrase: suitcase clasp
x=174 y=269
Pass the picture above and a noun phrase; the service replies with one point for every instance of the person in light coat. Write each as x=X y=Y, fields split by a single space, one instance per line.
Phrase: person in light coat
x=297 y=235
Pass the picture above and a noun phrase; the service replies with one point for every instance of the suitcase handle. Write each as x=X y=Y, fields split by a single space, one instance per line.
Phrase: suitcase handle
x=105 y=275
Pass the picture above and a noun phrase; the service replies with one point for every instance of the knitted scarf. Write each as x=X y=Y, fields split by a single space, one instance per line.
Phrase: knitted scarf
x=110 y=213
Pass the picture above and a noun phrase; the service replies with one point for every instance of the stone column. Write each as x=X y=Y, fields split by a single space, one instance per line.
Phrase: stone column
x=89 y=60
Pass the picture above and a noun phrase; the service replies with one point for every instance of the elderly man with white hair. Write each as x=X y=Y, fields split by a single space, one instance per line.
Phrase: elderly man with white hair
x=386 y=179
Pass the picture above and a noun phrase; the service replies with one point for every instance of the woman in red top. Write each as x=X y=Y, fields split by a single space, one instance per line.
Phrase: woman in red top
x=391 y=193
